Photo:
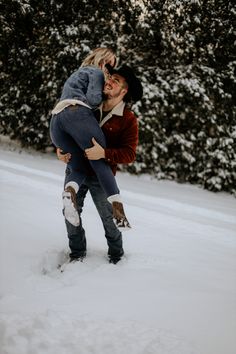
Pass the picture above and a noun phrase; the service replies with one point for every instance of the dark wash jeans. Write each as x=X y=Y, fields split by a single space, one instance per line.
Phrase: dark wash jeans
x=76 y=235
x=72 y=130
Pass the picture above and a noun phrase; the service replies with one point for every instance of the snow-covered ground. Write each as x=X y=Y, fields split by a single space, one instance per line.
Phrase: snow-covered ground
x=174 y=292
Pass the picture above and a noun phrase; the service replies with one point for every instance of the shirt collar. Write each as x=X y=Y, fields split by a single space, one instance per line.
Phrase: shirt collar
x=118 y=110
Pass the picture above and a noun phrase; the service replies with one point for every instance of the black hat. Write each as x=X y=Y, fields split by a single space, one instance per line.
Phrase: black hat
x=135 y=89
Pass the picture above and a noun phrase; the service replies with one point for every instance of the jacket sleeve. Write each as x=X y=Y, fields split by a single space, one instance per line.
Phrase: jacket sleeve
x=95 y=88
x=128 y=141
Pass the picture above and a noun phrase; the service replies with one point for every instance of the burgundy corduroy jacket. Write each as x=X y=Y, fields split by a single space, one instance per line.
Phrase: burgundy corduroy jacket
x=121 y=134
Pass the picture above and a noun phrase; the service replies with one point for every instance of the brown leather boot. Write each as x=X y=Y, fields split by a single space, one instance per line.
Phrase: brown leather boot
x=73 y=195
x=119 y=216
x=70 y=206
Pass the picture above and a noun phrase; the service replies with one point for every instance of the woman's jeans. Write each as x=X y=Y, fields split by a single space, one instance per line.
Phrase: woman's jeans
x=72 y=130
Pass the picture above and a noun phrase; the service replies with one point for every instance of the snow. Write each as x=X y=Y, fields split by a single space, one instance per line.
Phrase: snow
x=173 y=293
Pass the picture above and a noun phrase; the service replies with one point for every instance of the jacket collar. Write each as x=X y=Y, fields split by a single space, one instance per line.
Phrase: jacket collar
x=118 y=110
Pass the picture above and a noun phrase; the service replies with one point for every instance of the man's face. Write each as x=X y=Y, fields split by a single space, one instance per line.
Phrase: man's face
x=115 y=86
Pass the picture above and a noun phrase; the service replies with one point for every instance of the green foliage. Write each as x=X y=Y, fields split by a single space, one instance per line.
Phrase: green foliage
x=182 y=50
x=187 y=126
x=42 y=43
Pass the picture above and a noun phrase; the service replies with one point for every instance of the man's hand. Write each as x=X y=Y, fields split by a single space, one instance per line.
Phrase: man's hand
x=63 y=157
x=96 y=152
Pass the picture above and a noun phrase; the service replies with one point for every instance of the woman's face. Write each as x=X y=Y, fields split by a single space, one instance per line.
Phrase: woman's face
x=111 y=59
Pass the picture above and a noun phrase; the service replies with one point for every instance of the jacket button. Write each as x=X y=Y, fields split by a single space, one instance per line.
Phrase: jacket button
x=110 y=128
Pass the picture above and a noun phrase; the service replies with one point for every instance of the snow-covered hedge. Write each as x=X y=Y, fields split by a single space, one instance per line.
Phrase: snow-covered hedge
x=182 y=51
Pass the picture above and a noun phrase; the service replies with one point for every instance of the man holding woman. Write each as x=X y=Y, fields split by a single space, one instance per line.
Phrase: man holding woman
x=119 y=126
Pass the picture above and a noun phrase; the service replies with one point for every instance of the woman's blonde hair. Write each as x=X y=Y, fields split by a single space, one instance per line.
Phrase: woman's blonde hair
x=98 y=55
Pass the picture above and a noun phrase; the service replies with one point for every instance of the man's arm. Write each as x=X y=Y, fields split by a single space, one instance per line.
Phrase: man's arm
x=96 y=152
x=125 y=150
x=127 y=142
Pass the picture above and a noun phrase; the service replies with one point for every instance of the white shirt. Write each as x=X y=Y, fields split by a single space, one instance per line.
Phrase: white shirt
x=66 y=103
x=118 y=110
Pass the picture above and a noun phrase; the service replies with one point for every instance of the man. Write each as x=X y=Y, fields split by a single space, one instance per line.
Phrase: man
x=120 y=128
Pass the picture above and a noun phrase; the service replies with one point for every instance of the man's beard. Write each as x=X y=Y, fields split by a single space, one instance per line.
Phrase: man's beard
x=106 y=95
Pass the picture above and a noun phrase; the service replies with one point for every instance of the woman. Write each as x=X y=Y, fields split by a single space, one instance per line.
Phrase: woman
x=73 y=126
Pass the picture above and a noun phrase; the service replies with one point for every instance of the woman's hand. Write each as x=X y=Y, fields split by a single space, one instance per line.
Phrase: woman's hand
x=62 y=156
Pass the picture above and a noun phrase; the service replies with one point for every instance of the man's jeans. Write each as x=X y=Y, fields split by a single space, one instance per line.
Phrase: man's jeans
x=72 y=130
x=76 y=235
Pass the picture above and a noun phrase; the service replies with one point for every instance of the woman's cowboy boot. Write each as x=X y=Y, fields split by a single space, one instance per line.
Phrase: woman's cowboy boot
x=119 y=216
x=70 y=210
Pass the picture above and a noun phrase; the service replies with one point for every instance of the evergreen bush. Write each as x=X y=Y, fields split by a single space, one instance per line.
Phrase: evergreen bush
x=183 y=51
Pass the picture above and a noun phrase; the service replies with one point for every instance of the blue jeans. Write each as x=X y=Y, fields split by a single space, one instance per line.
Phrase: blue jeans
x=72 y=130
x=76 y=235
